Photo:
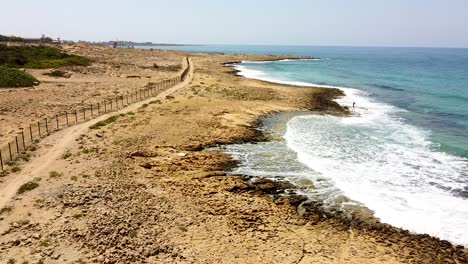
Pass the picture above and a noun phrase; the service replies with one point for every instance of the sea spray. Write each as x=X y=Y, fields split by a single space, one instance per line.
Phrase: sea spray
x=377 y=159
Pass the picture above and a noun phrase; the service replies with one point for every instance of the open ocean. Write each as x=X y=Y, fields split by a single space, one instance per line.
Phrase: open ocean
x=404 y=152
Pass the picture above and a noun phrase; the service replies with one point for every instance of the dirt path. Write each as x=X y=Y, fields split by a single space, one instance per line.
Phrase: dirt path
x=54 y=146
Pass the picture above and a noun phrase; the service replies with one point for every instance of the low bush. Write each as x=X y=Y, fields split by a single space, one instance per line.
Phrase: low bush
x=58 y=73
x=27 y=187
x=10 y=77
x=38 y=57
x=10 y=39
x=55 y=174
x=105 y=122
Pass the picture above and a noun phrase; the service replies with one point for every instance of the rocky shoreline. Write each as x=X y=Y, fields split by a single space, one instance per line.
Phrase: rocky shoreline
x=315 y=211
x=143 y=189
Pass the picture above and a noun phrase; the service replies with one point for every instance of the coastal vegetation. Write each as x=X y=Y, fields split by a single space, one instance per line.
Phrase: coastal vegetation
x=28 y=187
x=33 y=57
x=10 y=39
x=11 y=77
x=105 y=122
x=38 y=57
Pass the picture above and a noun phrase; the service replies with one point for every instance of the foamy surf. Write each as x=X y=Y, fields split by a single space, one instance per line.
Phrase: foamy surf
x=377 y=159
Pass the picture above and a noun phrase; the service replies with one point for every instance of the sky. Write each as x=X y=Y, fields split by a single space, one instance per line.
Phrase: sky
x=409 y=23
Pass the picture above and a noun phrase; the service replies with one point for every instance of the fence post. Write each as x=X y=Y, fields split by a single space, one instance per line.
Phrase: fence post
x=30 y=133
x=17 y=146
x=1 y=158
x=105 y=106
x=46 y=126
x=111 y=103
x=9 y=150
x=56 y=119
x=99 y=108
x=39 y=127
x=66 y=116
x=91 y=110
x=117 y=102
x=127 y=99
x=22 y=137
x=76 y=117
x=84 y=113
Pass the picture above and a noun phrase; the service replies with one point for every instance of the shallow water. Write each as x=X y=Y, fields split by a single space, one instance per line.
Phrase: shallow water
x=404 y=152
x=377 y=158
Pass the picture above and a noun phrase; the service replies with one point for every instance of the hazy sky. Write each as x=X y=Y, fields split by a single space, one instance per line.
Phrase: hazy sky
x=434 y=23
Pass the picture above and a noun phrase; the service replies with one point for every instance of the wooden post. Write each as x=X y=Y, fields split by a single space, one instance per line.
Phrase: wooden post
x=30 y=133
x=1 y=158
x=111 y=103
x=56 y=119
x=66 y=116
x=39 y=127
x=46 y=126
x=17 y=146
x=99 y=108
x=105 y=106
x=91 y=110
x=84 y=113
x=117 y=102
x=22 y=137
x=9 y=150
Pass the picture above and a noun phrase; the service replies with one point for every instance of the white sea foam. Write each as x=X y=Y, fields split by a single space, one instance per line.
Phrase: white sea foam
x=377 y=159
x=284 y=60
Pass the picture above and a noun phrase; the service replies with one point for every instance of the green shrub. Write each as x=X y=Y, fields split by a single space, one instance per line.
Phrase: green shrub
x=27 y=187
x=10 y=38
x=55 y=174
x=105 y=122
x=10 y=77
x=26 y=157
x=58 y=73
x=38 y=57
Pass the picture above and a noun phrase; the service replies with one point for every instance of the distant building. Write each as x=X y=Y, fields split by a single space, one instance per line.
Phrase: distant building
x=42 y=39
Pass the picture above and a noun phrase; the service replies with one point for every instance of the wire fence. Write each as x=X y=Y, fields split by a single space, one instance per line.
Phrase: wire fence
x=30 y=135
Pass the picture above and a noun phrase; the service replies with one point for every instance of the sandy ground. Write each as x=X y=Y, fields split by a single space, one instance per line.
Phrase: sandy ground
x=145 y=189
x=114 y=72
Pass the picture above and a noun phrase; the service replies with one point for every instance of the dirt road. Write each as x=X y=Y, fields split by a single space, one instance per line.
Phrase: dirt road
x=54 y=146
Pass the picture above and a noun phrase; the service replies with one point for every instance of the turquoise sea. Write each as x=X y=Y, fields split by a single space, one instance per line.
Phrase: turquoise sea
x=403 y=153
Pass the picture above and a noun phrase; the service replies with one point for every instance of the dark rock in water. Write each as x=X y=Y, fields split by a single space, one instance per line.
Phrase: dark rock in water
x=272 y=187
x=461 y=192
x=293 y=200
